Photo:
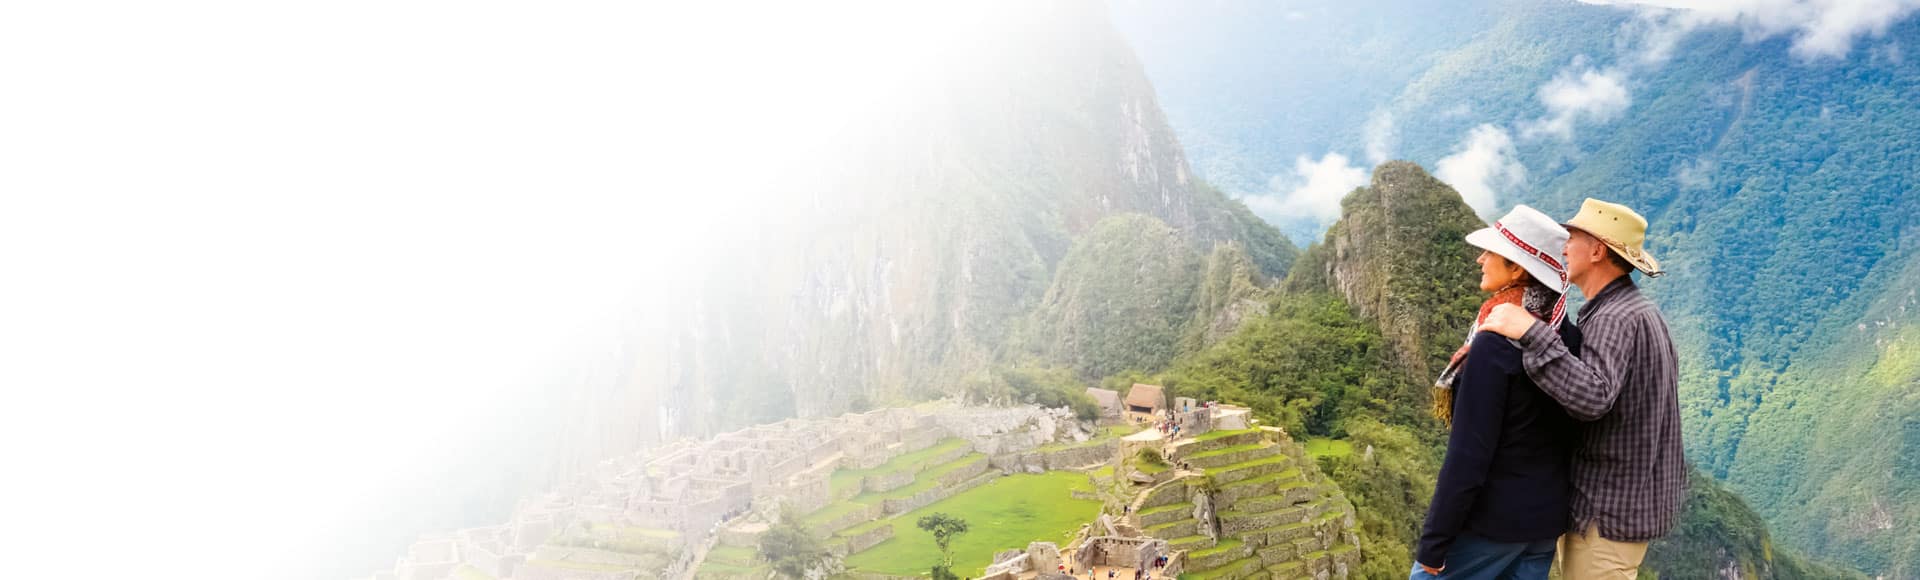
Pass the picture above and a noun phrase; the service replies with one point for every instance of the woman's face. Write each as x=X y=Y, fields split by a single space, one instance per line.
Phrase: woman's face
x=1496 y=271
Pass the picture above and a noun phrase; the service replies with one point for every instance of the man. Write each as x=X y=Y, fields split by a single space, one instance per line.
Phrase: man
x=1628 y=470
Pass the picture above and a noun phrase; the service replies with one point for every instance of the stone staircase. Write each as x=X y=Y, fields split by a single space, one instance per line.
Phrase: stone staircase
x=1278 y=518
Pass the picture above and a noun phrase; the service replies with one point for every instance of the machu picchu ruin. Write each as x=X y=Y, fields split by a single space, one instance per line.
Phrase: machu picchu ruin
x=1218 y=497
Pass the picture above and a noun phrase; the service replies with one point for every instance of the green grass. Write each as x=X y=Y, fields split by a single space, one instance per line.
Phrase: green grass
x=1149 y=467
x=1212 y=435
x=1188 y=539
x=846 y=477
x=863 y=528
x=1287 y=475
x=1226 y=450
x=1324 y=447
x=1223 y=546
x=733 y=555
x=1005 y=513
x=1221 y=571
x=830 y=512
x=1060 y=446
x=926 y=480
x=1159 y=530
x=717 y=569
x=1251 y=463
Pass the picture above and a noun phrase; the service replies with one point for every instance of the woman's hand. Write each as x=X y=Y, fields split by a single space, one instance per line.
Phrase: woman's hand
x=1508 y=320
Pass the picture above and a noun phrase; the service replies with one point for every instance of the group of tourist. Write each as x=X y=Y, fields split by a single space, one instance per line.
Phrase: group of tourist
x=1170 y=428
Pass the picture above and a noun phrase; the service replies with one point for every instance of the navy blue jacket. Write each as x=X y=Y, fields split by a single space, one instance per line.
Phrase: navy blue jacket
x=1506 y=476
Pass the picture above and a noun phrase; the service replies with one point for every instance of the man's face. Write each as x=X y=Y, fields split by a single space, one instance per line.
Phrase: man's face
x=1579 y=253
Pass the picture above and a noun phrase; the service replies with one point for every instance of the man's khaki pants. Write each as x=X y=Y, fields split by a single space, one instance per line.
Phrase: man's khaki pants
x=1587 y=556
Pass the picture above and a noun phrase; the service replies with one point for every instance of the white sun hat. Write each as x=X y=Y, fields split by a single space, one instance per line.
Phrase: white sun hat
x=1531 y=239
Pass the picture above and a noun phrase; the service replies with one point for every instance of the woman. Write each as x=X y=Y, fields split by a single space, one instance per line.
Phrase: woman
x=1501 y=499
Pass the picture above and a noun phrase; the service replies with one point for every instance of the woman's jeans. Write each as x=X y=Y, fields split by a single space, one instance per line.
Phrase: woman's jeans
x=1475 y=558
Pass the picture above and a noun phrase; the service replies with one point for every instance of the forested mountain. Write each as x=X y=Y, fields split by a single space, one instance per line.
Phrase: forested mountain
x=912 y=266
x=1781 y=185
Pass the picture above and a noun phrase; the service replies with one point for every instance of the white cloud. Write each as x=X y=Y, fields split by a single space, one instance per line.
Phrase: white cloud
x=1651 y=37
x=1381 y=135
x=1591 y=95
x=1483 y=165
x=1820 y=28
x=1695 y=174
x=1313 y=191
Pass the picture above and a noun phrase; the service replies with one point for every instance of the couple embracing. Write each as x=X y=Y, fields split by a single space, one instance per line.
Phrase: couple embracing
x=1565 y=441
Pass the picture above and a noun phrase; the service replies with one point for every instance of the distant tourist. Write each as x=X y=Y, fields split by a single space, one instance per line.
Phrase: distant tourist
x=1501 y=499
x=1622 y=383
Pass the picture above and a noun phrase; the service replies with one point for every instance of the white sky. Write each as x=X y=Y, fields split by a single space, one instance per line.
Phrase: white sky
x=263 y=260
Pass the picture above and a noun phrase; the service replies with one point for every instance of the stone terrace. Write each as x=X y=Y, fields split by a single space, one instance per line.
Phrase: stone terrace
x=1250 y=507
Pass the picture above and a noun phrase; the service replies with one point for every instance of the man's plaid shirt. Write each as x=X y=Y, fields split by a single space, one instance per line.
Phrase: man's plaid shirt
x=1629 y=474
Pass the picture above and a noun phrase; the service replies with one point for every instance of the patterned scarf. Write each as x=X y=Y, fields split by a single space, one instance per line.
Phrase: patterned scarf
x=1539 y=300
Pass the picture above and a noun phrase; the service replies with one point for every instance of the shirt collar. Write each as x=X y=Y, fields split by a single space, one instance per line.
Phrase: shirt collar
x=1619 y=286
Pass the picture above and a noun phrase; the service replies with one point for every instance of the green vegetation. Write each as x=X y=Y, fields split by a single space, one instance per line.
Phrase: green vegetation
x=730 y=561
x=905 y=461
x=1149 y=461
x=926 y=477
x=1718 y=524
x=1318 y=447
x=1119 y=299
x=790 y=547
x=1126 y=298
x=1221 y=434
x=1005 y=513
x=1048 y=387
x=944 y=529
x=1389 y=491
x=1305 y=366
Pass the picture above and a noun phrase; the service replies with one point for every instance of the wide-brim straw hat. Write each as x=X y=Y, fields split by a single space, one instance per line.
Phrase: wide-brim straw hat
x=1621 y=229
x=1531 y=239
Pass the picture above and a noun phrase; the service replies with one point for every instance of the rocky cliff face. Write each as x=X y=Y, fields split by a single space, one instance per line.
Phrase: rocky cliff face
x=1398 y=255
